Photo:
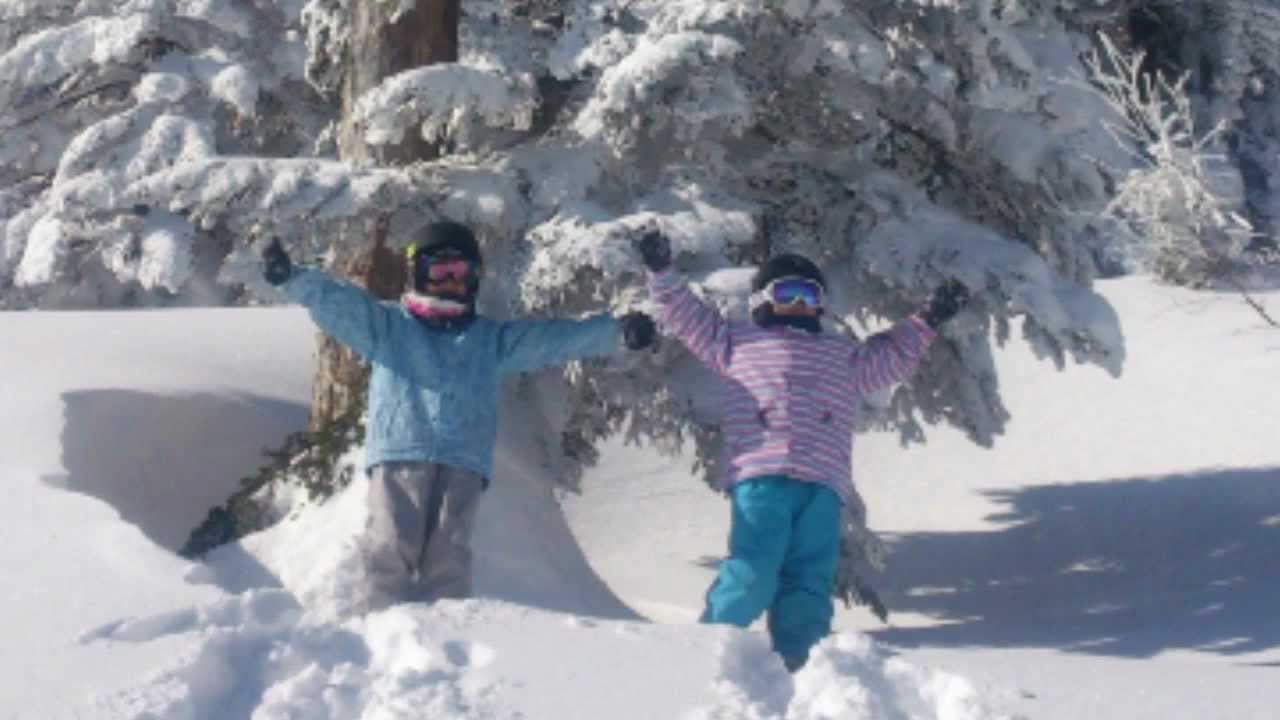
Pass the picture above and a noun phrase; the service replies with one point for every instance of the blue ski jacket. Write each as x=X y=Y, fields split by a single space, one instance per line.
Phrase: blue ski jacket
x=433 y=394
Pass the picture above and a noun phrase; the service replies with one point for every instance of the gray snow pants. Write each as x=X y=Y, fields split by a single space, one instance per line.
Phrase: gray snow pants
x=418 y=537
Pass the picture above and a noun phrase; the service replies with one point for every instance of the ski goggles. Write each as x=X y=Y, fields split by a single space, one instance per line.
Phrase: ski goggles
x=440 y=268
x=793 y=291
x=447 y=269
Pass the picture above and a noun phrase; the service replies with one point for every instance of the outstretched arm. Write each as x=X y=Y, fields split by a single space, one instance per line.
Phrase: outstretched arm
x=680 y=313
x=525 y=345
x=351 y=315
x=891 y=356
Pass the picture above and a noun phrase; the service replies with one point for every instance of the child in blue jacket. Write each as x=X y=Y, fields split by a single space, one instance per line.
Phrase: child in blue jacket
x=433 y=399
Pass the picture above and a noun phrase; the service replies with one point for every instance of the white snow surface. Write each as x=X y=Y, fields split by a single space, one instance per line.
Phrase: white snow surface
x=1114 y=556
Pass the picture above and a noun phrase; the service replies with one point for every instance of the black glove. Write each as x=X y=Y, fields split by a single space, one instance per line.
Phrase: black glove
x=276 y=267
x=638 y=330
x=945 y=303
x=655 y=250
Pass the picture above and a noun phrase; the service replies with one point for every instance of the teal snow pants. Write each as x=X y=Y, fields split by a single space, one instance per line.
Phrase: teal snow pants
x=783 y=541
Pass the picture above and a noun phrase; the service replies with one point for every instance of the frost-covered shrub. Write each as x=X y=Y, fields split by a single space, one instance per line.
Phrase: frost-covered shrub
x=1226 y=54
x=1180 y=207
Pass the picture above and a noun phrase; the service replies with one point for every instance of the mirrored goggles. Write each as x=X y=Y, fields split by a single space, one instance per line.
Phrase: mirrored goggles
x=793 y=291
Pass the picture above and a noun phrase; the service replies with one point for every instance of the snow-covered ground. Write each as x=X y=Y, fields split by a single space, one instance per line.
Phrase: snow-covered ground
x=1116 y=555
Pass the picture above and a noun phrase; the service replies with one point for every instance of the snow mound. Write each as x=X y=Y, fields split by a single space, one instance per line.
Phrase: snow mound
x=302 y=639
x=260 y=656
x=257 y=657
x=270 y=628
x=848 y=677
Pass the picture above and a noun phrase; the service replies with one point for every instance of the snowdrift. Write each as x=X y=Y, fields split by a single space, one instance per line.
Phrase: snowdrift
x=113 y=446
x=1112 y=557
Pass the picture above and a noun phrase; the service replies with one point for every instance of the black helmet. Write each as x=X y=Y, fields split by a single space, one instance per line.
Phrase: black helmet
x=444 y=237
x=786 y=265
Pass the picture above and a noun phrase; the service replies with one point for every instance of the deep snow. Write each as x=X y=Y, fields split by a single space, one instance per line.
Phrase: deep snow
x=1115 y=555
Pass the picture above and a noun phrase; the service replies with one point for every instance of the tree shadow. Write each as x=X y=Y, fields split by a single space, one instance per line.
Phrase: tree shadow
x=524 y=550
x=233 y=569
x=1131 y=568
x=163 y=460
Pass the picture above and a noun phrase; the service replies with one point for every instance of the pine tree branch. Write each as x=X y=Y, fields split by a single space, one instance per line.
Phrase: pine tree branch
x=33 y=116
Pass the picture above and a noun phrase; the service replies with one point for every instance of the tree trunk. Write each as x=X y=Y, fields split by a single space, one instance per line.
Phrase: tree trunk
x=378 y=48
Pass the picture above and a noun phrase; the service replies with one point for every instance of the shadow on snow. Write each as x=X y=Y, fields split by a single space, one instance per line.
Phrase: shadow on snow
x=162 y=461
x=1129 y=568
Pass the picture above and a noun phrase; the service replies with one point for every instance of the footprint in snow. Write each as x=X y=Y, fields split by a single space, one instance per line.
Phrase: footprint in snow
x=463 y=654
x=259 y=609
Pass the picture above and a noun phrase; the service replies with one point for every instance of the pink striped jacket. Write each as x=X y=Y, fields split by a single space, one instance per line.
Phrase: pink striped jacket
x=789 y=395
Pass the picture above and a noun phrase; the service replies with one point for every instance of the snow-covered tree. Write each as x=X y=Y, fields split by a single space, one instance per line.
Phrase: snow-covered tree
x=125 y=124
x=1197 y=207
x=1225 y=52
x=1180 y=206
x=151 y=145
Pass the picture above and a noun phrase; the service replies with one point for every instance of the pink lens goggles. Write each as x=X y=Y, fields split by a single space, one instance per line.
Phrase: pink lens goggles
x=450 y=269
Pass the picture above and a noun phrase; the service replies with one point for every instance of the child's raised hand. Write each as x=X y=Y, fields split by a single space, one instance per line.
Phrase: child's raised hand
x=654 y=249
x=638 y=330
x=276 y=266
x=945 y=303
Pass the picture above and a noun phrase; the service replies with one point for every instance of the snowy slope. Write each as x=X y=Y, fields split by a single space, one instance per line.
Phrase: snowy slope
x=1124 y=537
x=1114 y=556
x=121 y=429
x=117 y=430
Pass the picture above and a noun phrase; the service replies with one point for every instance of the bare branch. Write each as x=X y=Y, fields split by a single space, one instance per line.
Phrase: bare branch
x=1252 y=302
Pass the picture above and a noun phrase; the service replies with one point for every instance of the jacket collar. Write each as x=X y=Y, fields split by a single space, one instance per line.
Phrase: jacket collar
x=439 y=313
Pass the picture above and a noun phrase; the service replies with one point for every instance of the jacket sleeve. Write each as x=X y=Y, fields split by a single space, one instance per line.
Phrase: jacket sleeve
x=351 y=315
x=693 y=322
x=891 y=356
x=525 y=345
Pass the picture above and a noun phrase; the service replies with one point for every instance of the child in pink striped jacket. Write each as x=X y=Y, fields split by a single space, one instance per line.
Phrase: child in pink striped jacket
x=788 y=401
